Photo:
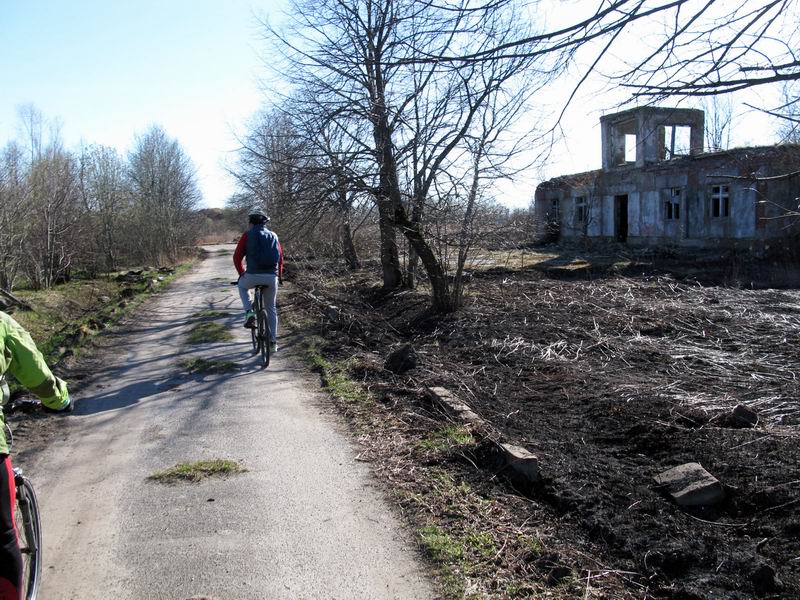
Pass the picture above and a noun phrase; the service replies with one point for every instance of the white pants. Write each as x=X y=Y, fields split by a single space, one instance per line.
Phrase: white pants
x=250 y=280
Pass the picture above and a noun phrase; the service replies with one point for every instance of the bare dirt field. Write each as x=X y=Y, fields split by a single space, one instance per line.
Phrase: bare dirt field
x=609 y=375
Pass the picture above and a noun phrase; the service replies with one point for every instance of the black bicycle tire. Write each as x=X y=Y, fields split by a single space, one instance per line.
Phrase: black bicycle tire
x=31 y=527
x=254 y=330
x=263 y=329
x=263 y=334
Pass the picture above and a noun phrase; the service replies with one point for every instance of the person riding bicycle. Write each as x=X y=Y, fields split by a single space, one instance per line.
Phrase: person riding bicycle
x=19 y=357
x=261 y=249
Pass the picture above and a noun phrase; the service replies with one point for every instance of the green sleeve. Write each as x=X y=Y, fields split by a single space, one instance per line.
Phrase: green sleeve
x=27 y=365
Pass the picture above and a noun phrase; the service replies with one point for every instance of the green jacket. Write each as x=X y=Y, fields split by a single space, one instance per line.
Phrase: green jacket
x=20 y=358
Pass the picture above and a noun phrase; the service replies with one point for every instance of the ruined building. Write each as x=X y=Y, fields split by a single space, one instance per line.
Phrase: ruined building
x=658 y=187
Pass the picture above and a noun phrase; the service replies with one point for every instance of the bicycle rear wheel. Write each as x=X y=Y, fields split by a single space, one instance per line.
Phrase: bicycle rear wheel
x=254 y=336
x=263 y=336
x=29 y=530
x=254 y=330
x=263 y=329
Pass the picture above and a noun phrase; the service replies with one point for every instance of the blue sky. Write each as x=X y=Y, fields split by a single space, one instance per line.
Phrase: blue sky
x=107 y=70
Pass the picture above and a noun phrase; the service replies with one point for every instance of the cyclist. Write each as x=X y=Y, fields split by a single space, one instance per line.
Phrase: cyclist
x=262 y=251
x=20 y=358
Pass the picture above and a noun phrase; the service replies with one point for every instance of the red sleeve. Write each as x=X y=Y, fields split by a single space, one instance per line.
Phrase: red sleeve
x=238 y=254
x=280 y=262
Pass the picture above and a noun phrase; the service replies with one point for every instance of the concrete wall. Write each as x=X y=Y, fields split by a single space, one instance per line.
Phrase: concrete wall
x=647 y=124
x=607 y=211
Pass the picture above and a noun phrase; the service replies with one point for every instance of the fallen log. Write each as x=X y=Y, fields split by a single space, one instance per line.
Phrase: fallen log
x=16 y=301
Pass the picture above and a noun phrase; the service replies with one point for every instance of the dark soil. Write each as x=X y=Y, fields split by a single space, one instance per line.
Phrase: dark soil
x=610 y=381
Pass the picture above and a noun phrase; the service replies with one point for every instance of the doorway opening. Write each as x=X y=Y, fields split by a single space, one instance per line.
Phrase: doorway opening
x=621 y=217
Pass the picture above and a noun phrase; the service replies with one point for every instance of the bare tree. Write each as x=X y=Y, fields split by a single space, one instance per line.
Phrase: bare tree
x=291 y=162
x=266 y=162
x=14 y=213
x=51 y=183
x=164 y=193
x=50 y=246
x=788 y=114
x=718 y=122
x=106 y=201
x=61 y=211
x=356 y=58
x=335 y=176
x=673 y=48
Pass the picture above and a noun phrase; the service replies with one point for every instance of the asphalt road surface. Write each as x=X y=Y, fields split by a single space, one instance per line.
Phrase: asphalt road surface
x=306 y=520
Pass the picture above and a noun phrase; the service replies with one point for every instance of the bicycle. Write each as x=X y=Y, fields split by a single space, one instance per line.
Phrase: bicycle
x=29 y=527
x=260 y=334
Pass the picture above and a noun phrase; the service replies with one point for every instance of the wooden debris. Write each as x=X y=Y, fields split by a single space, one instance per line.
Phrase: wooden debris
x=15 y=301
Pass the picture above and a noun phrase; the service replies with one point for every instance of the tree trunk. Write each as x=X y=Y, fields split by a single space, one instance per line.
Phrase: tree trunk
x=440 y=287
x=393 y=212
x=441 y=299
x=466 y=225
x=410 y=280
x=413 y=257
x=390 y=257
x=348 y=247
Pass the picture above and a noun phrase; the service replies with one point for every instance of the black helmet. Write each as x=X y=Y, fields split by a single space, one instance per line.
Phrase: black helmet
x=257 y=217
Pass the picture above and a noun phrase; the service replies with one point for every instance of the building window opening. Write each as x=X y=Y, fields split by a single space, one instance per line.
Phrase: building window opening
x=720 y=201
x=673 y=204
x=581 y=209
x=677 y=141
x=630 y=147
x=555 y=210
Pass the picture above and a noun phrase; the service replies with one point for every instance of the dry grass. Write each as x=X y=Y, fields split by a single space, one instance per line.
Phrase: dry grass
x=608 y=378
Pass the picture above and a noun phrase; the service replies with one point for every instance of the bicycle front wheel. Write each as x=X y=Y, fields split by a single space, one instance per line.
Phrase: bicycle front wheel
x=29 y=530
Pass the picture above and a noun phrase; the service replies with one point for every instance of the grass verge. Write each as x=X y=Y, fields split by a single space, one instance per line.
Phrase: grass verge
x=209 y=332
x=68 y=315
x=194 y=472
x=335 y=379
x=206 y=366
x=446 y=438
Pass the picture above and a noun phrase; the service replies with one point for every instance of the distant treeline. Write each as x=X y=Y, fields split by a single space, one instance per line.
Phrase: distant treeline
x=91 y=209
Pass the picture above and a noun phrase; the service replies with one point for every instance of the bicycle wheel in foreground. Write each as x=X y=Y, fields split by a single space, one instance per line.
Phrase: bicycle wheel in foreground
x=29 y=530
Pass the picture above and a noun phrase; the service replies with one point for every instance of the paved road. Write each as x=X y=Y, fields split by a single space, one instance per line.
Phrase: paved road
x=304 y=521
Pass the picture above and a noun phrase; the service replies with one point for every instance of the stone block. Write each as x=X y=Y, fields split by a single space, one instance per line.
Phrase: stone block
x=522 y=462
x=691 y=485
x=453 y=405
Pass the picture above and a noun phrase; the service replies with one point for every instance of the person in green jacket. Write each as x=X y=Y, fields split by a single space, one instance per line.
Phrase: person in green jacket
x=20 y=358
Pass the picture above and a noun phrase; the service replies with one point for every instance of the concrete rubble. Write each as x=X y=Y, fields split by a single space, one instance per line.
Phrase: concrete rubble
x=691 y=485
